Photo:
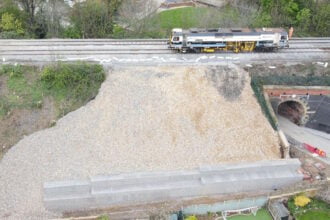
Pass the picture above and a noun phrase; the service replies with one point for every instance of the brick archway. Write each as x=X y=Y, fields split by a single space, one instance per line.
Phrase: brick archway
x=294 y=110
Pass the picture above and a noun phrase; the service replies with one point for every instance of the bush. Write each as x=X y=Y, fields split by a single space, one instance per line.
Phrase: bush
x=192 y=217
x=315 y=209
x=73 y=80
x=72 y=32
x=68 y=85
x=257 y=86
x=11 y=70
x=301 y=200
x=10 y=35
x=118 y=32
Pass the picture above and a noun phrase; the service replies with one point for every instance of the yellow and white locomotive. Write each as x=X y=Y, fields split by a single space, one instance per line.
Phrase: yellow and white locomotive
x=225 y=39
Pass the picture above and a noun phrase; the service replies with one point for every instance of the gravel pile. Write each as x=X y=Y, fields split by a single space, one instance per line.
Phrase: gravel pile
x=144 y=118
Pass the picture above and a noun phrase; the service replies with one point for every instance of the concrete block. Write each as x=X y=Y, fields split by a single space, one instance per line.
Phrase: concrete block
x=143 y=187
x=102 y=183
x=70 y=204
x=64 y=189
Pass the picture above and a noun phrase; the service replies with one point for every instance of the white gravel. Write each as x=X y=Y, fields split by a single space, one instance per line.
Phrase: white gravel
x=144 y=118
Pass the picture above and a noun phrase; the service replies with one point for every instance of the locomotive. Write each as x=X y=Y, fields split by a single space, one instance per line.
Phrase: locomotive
x=225 y=39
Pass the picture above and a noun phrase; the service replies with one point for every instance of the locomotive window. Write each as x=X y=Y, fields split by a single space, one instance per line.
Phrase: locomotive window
x=283 y=37
x=175 y=38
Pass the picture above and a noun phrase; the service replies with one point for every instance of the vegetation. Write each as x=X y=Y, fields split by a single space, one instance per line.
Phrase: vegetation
x=309 y=80
x=301 y=200
x=11 y=20
x=71 y=85
x=314 y=210
x=93 y=19
x=297 y=13
x=237 y=13
x=257 y=86
x=103 y=217
x=160 y=25
x=139 y=18
x=262 y=214
x=315 y=215
x=191 y=217
x=22 y=93
x=49 y=18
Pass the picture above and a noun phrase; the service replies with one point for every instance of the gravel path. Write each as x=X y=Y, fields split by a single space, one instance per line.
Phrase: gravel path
x=144 y=118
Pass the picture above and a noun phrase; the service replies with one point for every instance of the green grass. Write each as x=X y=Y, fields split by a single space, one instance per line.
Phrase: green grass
x=70 y=85
x=103 y=217
x=23 y=90
x=315 y=210
x=310 y=80
x=315 y=215
x=181 y=17
x=160 y=25
x=262 y=214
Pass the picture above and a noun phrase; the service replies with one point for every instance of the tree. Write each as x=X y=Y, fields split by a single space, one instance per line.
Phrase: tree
x=321 y=20
x=9 y=6
x=55 y=14
x=30 y=7
x=112 y=6
x=10 y=23
x=304 y=19
x=134 y=14
x=94 y=18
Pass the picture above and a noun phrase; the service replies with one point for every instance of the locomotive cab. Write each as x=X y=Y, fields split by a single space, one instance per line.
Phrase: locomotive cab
x=284 y=41
x=176 y=37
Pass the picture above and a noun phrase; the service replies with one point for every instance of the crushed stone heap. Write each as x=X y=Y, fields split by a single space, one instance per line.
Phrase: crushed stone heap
x=144 y=118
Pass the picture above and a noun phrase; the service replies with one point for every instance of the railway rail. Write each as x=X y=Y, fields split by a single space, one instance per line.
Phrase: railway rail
x=100 y=49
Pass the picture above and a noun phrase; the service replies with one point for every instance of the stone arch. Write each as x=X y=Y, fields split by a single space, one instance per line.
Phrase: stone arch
x=293 y=109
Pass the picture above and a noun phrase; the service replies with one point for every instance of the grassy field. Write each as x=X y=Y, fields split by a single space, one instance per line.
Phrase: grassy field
x=262 y=214
x=182 y=17
x=315 y=215
x=315 y=210
x=160 y=25
x=20 y=88
x=26 y=86
x=33 y=98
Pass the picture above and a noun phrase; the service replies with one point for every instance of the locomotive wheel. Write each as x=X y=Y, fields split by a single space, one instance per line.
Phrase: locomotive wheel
x=197 y=50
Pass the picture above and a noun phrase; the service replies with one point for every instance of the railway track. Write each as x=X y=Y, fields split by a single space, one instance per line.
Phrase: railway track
x=145 y=51
x=121 y=41
x=77 y=42
x=100 y=49
x=81 y=51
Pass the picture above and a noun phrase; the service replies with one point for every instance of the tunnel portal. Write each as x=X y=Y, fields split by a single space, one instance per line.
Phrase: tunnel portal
x=292 y=110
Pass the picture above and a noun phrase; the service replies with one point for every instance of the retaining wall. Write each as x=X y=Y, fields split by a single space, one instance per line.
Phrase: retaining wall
x=143 y=187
